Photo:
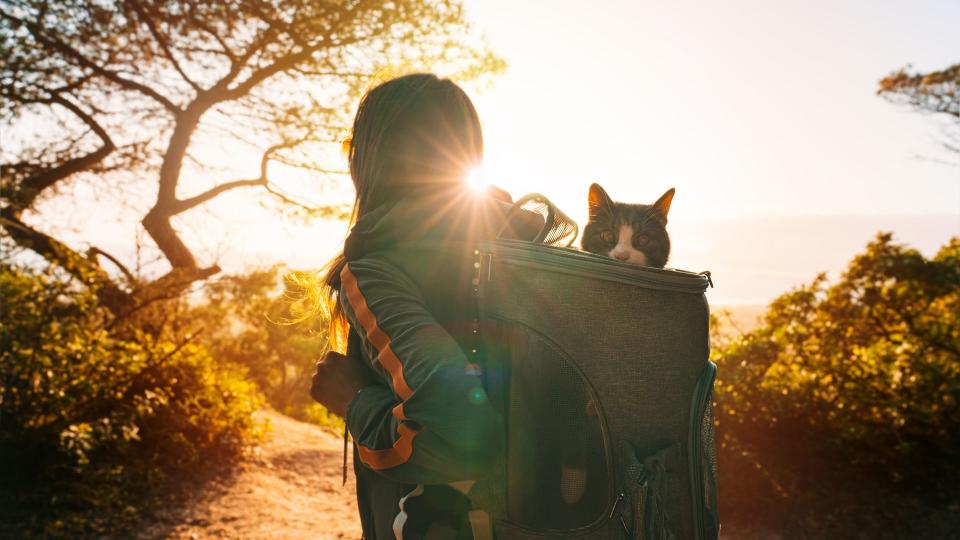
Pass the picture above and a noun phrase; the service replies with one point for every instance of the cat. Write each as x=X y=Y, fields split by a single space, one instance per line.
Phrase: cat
x=633 y=233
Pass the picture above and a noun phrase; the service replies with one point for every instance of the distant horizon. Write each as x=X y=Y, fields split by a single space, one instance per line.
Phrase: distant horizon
x=783 y=251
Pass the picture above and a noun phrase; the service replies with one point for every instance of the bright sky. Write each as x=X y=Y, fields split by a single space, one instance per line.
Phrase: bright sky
x=762 y=115
x=747 y=107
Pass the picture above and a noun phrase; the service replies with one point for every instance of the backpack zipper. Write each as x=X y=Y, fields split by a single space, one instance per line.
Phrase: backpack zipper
x=706 y=273
x=571 y=261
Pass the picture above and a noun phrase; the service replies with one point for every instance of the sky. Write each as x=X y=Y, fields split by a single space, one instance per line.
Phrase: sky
x=746 y=107
x=762 y=115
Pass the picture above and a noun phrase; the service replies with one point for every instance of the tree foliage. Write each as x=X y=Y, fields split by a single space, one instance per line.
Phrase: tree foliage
x=935 y=92
x=73 y=387
x=132 y=92
x=871 y=362
x=245 y=321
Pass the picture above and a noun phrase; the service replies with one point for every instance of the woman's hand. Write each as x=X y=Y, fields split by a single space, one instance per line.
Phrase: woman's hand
x=337 y=380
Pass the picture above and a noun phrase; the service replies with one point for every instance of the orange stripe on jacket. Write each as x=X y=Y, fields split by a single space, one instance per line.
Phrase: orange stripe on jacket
x=402 y=448
x=387 y=358
x=396 y=455
x=398 y=412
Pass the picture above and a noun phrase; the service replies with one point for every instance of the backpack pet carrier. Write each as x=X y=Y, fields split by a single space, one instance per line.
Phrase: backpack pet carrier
x=601 y=370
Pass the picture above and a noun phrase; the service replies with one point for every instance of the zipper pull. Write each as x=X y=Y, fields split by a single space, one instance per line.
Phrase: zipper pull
x=706 y=273
x=616 y=503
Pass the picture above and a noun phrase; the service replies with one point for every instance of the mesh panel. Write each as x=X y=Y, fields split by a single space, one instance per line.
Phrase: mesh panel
x=557 y=473
x=709 y=445
x=709 y=467
x=557 y=230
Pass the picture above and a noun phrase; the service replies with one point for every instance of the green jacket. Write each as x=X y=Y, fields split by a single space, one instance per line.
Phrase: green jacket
x=428 y=432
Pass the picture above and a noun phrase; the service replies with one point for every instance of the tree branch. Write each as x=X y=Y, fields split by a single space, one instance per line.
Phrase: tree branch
x=325 y=210
x=85 y=270
x=95 y=251
x=319 y=73
x=283 y=64
x=237 y=63
x=186 y=204
x=162 y=42
x=31 y=187
x=311 y=167
x=226 y=50
x=932 y=92
x=37 y=32
x=172 y=284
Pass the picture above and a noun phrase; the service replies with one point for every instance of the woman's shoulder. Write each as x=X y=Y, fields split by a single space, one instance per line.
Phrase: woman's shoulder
x=440 y=221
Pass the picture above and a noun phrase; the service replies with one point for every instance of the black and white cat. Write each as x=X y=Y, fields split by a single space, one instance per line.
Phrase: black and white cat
x=634 y=233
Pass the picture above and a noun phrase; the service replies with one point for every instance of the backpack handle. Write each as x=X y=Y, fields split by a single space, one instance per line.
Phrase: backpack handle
x=536 y=211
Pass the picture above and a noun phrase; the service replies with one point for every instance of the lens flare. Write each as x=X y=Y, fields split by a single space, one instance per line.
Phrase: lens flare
x=476 y=396
x=477 y=180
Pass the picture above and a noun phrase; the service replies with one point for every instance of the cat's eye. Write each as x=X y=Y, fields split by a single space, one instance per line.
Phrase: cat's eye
x=607 y=236
x=641 y=240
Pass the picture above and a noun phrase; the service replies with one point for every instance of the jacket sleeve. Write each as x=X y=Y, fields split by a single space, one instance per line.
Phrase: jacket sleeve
x=431 y=421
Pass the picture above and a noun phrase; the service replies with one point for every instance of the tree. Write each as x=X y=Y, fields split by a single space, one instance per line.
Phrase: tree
x=934 y=92
x=122 y=92
x=92 y=421
x=847 y=394
x=871 y=361
x=246 y=322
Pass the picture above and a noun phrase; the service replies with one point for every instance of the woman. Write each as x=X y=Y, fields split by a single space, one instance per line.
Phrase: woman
x=405 y=285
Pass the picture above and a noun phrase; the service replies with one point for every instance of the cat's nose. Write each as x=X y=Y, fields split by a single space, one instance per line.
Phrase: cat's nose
x=620 y=255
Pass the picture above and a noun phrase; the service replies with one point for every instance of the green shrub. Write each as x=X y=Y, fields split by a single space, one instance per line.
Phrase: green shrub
x=95 y=411
x=73 y=386
x=871 y=362
x=244 y=321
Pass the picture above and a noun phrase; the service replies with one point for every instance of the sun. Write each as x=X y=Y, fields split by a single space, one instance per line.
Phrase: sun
x=477 y=180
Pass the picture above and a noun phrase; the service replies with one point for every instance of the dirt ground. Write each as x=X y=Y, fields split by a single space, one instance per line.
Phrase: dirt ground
x=289 y=489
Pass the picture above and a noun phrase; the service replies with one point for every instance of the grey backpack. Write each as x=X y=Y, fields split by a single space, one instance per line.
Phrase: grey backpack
x=602 y=372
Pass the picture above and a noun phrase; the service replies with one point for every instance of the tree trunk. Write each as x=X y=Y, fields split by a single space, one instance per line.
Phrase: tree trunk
x=110 y=295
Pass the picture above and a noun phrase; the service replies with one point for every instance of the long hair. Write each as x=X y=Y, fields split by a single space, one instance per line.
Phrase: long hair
x=412 y=136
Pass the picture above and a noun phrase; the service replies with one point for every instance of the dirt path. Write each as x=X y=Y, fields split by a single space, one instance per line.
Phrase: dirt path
x=290 y=489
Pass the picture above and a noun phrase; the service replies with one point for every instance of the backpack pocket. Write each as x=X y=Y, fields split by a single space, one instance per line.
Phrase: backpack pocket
x=703 y=458
x=558 y=461
x=556 y=446
x=642 y=512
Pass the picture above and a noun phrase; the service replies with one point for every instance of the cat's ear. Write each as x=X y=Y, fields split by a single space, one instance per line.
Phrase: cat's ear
x=598 y=201
x=662 y=206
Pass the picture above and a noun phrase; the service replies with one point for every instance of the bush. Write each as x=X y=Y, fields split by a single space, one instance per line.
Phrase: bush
x=245 y=320
x=871 y=362
x=845 y=400
x=84 y=396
